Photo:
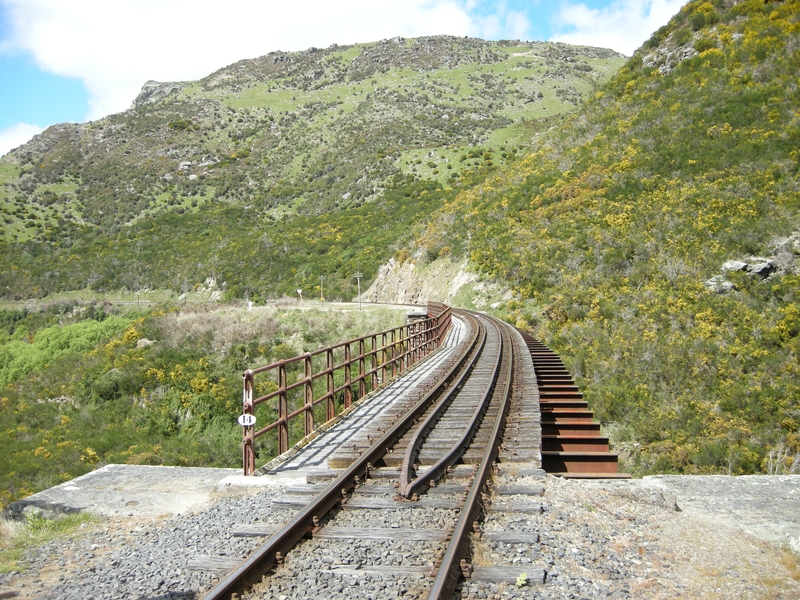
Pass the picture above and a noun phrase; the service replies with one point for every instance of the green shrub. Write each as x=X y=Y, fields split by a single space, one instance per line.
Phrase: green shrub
x=704 y=43
x=607 y=233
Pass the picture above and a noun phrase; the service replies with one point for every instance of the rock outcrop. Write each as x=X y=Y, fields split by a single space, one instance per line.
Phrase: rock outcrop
x=154 y=91
x=442 y=280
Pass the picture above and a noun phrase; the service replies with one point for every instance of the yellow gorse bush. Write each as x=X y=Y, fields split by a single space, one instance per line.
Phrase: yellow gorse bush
x=608 y=230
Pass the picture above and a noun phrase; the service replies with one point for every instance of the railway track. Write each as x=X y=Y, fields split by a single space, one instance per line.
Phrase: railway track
x=419 y=486
x=490 y=522
x=439 y=495
x=572 y=445
x=409 y=503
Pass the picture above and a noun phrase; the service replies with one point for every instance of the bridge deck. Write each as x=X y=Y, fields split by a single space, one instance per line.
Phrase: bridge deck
x=312 y=459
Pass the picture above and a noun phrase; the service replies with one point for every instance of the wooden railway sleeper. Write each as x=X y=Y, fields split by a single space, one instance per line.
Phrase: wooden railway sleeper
x=466 y=569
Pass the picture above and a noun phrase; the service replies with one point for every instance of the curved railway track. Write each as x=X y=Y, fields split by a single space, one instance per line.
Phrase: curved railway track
x=435 y=508
x=463 y=412
x=431 y=489
x=421 y=487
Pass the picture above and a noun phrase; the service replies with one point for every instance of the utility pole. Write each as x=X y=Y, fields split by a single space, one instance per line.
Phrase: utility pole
x=358 y=277
x=321 y=295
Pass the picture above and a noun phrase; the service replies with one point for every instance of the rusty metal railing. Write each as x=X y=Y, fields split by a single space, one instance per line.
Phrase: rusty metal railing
x=327 y=376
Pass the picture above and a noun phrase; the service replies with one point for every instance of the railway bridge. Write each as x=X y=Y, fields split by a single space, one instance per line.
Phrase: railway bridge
x=419 y=426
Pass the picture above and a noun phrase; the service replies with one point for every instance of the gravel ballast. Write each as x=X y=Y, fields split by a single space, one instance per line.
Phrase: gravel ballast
x=629 y=539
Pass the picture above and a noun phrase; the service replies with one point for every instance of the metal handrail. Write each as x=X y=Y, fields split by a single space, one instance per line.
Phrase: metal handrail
x=399 y=349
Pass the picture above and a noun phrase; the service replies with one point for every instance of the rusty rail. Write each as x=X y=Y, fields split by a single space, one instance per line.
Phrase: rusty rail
x=454 y=564
x=410 y=483
x=377 y=359
x=307 y=520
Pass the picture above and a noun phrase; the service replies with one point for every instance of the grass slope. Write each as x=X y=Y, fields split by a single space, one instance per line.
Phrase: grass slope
x=273 y=172
x=291 y=133
x=687 y=159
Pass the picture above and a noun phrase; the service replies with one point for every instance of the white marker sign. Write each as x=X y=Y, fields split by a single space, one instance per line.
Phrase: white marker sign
x=247 y=420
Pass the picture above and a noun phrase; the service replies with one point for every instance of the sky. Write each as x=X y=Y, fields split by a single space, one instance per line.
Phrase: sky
x=80 y=60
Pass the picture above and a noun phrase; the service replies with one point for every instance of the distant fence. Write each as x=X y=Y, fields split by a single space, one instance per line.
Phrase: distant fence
x=313 y=385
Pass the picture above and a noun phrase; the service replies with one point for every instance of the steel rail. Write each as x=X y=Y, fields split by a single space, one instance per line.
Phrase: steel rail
x=271 y=552
x=399 y=349
x=453 y=563
x=409 y=486
x=418 y=436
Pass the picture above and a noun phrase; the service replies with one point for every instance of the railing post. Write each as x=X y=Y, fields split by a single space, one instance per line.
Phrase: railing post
x=400 y=356
x=330 y=411
x=384 y=356
x=417 y=341
x=348 y=393
x=393 y=355
x=412 y=344
x=373 y=361
x=309 y=397
x=426 y=336
x=404 y=348
x=248 y=449
x=362 y=385
x=283 y=411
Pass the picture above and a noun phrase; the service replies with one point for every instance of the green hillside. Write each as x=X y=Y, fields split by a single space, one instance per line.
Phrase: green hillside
x=615 y=232
x=651 y=234
x=277 y=158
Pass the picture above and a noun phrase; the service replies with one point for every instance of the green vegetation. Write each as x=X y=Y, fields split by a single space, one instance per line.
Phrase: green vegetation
x=608 y=232
x=254 y=258
x=22 y=353
x=608 y=223
x=305 y=133
x=101 y=386
x=17 y=537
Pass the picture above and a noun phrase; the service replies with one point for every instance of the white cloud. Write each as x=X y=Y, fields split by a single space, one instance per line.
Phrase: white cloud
x=517 y=24
x=16 y=135
x=500 y=23
x=114 y=47
x=623 y=26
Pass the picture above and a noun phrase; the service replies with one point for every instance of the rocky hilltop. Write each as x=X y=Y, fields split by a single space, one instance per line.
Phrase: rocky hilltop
x=294 y=132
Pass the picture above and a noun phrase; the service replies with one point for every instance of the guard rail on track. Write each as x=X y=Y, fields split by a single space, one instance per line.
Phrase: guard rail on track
x=326 y=376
